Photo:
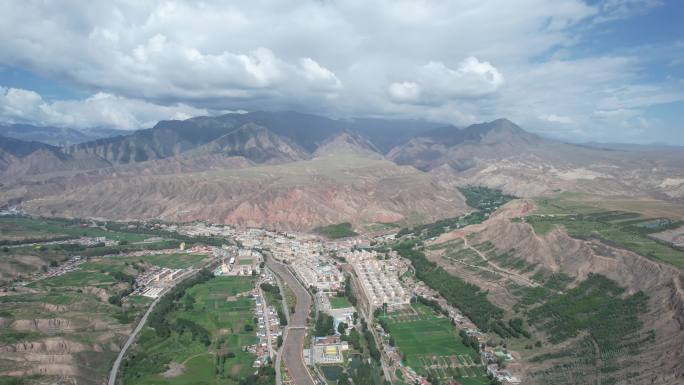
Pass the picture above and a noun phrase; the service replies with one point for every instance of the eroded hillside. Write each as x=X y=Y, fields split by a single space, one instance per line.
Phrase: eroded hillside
x=333 y=188
x=601 y=312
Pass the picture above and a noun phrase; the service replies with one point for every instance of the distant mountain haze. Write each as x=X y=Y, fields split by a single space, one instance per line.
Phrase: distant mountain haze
x=297 y=171
x=57 y=136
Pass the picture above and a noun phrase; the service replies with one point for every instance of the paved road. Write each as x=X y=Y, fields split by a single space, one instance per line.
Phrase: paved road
x=129 y=342
x=267 y=321
x=293 y=344
x=117 y=363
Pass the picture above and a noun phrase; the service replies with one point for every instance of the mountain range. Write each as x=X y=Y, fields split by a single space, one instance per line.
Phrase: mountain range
x=298 y=171
x=57 y=136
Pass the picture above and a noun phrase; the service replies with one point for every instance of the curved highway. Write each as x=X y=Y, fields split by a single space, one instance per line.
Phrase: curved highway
x=129 y=342
x=293 y=345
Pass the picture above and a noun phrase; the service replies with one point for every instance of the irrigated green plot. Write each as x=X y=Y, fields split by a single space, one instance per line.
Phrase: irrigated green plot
x=431 y=345
x=175 y=261
x=112 y=265
x=42 y=228
x=139 y=300
x=222 y=306
x=339 y=302
x=479 y=380
x=77 y=278
x=431 y=336
x=340 y=230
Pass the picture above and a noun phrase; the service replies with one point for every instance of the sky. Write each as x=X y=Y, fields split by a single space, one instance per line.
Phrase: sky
x=601 y=70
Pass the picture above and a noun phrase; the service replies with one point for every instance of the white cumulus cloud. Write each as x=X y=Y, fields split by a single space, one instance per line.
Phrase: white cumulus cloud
x=553 y=118
x=435 y=83
x=318 y=75
x=404 y=92
x=457 y=61
x=98 y=110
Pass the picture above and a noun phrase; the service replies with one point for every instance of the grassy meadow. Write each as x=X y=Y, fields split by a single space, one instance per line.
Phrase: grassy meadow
x=339 y=302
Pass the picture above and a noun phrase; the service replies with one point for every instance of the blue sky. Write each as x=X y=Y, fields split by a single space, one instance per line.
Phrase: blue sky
x=609 y=70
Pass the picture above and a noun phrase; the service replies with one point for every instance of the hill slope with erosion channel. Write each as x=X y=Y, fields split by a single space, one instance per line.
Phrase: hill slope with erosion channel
x=339 y=186
x=581 y=286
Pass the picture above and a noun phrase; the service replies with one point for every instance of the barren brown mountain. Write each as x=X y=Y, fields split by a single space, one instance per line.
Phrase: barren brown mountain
x=501 y=155
x=287 y=170
x=341 y=185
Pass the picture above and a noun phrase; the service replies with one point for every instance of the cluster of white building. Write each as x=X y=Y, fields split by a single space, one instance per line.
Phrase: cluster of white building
x=379 y=280
x=290 y=248
x=202 y=230
x=168 y=275
x=152 y=285
x=244 y=262
x=92 y=241
x=320 y=273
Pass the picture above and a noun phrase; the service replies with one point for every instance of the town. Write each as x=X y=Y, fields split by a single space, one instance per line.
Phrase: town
x=366 y=300
x=381 y=283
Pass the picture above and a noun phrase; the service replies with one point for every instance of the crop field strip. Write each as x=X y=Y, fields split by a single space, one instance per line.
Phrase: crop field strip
x=430 y=345
x=99 y=272
x=62 y=227
x=29 y=246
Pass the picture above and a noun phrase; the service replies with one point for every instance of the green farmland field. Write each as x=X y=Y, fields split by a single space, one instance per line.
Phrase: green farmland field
x=32 y=245
x=428 y=336
x=46 y=228
x=223 y=307
x=431 y=345
x=340 y=230
x=175 y=261
x=77 y=278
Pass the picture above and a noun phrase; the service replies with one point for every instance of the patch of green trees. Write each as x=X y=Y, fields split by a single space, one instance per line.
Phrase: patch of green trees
x=468 y=298
x=171 y=301
x=348 y=291
x=325 y=325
